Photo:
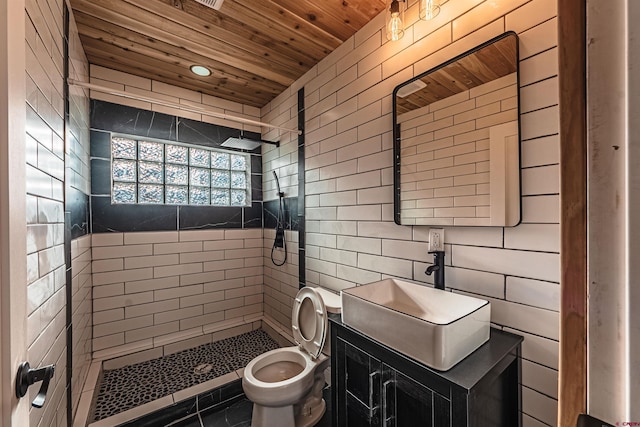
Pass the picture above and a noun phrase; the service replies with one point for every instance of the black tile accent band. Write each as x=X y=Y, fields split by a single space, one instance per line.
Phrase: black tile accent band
x=301 y=165
x=106 y=118
x=67 y=223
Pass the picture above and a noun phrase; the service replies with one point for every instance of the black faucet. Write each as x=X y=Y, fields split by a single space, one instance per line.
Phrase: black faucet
x=438 y=268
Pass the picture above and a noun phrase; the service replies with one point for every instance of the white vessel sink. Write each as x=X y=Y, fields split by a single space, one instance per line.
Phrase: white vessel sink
x=435 y=327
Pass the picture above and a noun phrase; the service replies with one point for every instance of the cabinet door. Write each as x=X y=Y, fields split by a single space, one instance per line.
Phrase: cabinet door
x=407 y=403
x=358 y=387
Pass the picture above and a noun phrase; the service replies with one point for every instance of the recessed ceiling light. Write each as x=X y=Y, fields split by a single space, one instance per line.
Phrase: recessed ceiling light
x=200 y=70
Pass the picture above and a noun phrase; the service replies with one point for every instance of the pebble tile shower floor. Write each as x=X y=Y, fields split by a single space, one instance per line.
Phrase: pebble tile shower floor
x=131 y=386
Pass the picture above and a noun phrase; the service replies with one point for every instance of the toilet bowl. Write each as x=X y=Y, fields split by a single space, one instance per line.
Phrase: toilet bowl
x=285 y=385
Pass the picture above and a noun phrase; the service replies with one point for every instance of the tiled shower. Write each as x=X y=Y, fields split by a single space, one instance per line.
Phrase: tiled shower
x=166 y=285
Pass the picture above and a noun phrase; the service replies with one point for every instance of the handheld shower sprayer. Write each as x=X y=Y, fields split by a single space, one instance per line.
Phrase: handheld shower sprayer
x=279 y=241
x=280 y=193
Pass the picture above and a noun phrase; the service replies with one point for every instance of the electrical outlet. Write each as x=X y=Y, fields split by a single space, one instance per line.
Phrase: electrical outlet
x=436 y=239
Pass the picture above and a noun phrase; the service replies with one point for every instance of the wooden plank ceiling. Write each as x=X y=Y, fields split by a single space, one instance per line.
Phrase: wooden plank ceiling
x=254 y=48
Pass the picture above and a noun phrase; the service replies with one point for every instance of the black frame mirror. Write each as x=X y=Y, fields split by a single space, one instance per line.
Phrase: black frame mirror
x=456 y=132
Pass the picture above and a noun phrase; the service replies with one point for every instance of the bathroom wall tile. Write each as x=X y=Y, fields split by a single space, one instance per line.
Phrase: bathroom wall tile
x=175 y=347
x=541 y=180
x=540 y=378
x=122 y=325
x=199 y=217
x=223 y=244
x=107 y=315
x=137 y=286
x=535 y=265
x=416 y=251
x=384 y=230
x=192 y=257
x=110 y=75
x=122 y=276
x=541 y=209
x=151 y=331
x=539 y=38
x=539 y=67
x=108 y=290
x=363 y=213
x=108 y=218
x=183 y=313
x=542 y=407
x=107 y=239
x=476 y=282
x=147 y=306
x=175 y=293
x=541 y=151
x=100 y=304
x=539 y=95
x=375 y=161
x=177 y=270
x=176 y=248
x=530 y=15
x=391 y=266
x=150 y=237
x=151 y=261
x=533 y=292
x=108 y=341
x=539 y=237
x=198 y=235
x=359 y=244
x=525 y=318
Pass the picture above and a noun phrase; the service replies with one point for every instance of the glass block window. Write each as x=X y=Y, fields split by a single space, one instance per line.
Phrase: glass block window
x=163 y=173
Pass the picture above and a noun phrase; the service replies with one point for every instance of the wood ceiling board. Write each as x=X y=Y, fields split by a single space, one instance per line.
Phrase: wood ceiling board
x=167 y=31
x=283 y=29
x=336 y=17
x=248 y=42
x=93 y=28
x=139 y=65
x=251 y=46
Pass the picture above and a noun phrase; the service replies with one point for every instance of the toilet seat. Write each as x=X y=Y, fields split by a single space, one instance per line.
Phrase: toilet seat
x=309 y=321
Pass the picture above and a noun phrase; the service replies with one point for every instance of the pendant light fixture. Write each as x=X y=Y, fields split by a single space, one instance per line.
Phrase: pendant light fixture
x=429 y=9
x=395 y=19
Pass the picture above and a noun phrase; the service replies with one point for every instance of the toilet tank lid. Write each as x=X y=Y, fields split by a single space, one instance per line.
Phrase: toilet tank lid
x=332 y=301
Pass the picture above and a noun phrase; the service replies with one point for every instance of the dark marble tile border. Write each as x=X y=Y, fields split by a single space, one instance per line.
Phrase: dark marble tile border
x=291 y=218
x=107 y=117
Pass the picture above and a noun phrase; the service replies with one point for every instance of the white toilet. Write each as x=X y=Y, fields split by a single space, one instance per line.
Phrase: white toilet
x=285 y=385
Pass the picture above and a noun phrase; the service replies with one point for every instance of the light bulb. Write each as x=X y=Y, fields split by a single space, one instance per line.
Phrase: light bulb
x=429 y=9
x=395 y=30
x=395 y=26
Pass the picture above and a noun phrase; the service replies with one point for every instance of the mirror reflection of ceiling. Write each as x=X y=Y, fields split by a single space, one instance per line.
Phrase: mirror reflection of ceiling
x=485 y=65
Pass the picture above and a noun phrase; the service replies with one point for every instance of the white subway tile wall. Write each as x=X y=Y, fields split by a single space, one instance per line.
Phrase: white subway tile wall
x=280 y=283
x=45 y=147
x=349 y=148
x=155 y=288
x=113 y=79
x=81 y=286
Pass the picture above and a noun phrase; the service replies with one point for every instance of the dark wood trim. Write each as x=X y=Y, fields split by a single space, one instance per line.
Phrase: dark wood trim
x=572 y=393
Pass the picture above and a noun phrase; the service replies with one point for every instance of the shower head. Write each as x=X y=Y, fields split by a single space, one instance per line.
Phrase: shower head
x=243 y=143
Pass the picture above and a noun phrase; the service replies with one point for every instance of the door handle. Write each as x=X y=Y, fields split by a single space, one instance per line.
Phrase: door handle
x=385 y=407
x=27 y=376
x=373 y=406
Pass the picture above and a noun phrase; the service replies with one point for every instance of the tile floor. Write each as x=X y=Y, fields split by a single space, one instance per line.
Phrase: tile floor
x=233 y=412
x=134 y=385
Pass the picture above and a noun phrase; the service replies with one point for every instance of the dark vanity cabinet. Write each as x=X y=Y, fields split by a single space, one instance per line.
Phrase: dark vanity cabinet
x=374 y=385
